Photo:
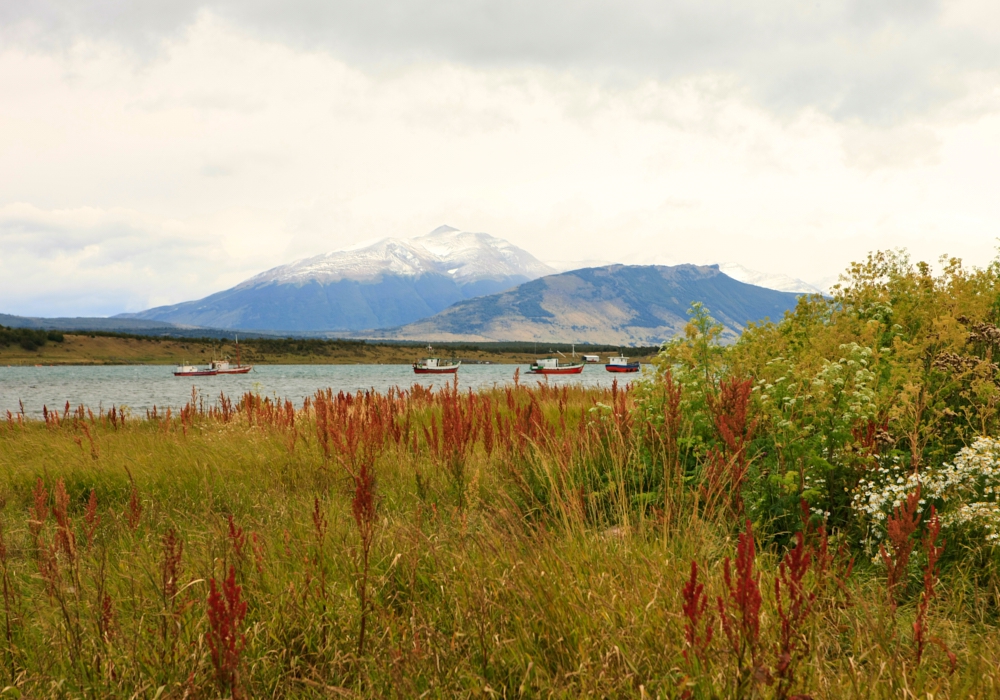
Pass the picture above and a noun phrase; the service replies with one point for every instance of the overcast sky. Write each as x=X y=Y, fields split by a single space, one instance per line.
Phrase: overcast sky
x=154 y=152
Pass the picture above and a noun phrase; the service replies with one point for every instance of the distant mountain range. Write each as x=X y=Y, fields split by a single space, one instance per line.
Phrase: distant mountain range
x=87 y=323
x=458 y=285
x=623 y=304
x=136 y=326
x=389 y=283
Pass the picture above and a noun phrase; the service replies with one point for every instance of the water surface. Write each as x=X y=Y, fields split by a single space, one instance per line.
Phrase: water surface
x=140 y=387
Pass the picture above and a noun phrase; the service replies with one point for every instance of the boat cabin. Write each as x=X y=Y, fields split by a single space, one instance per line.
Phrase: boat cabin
x=548 y=363
x=623 y=361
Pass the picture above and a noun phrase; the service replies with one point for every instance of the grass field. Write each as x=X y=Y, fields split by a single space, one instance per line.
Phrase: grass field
x=515 y=543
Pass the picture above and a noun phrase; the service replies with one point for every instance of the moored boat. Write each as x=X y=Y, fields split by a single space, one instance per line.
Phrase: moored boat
x=621 y=364
x=223 y=366
x=192 y=371
x=550 y=365
x=435 y=365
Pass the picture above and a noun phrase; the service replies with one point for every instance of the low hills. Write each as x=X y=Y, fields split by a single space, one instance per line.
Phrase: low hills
x=623 y=304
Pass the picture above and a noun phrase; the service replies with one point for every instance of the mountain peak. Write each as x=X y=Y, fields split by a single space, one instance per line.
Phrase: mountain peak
x=387 y=282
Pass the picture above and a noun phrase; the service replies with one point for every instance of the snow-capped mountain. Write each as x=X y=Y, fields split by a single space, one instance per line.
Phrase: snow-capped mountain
x=387 y=283
x=464 y=256
x=768 y=280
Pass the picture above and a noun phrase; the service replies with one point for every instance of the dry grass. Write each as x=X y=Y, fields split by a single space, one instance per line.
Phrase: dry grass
x=513 y=553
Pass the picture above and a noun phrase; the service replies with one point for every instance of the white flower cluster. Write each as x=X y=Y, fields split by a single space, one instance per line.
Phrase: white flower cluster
x=887 y=488
x=967 y=491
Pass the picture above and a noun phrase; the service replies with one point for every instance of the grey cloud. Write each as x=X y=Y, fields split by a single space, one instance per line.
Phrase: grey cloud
x=876 y=61
x=96 y=262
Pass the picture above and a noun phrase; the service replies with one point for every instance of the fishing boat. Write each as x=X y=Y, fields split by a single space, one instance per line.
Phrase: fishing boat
x=550 y=365
x=223 y=366
x=435 y=365
x=621 y=364
x=192 y=371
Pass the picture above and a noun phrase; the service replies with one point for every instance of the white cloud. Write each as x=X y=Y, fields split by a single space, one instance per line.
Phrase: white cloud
x=130 y=181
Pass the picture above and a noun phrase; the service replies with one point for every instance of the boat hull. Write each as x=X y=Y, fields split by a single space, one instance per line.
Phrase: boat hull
x=631 y=367
x=199 y=373
x=571 y=369
x=236 y=370
x=435 y=370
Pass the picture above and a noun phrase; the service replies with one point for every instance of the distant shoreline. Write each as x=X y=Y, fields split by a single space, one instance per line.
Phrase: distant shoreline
x=102 y=349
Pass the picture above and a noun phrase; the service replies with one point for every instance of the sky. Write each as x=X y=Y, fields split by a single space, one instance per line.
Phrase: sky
x=159 y=151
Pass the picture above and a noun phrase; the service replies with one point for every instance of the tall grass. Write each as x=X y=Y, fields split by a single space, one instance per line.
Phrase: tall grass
x=516 y=542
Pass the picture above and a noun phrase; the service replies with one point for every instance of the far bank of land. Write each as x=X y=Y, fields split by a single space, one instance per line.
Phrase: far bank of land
x=121 y=349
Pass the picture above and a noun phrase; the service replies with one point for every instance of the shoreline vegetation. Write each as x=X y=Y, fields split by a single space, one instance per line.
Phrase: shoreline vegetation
x=103 y=348
x=811 y=512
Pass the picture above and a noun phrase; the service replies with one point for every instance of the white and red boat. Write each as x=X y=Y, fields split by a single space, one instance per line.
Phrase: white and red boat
x=435 y=365
x=192 y=371
x=621 y=364
x=223 y=366
x=550 y=365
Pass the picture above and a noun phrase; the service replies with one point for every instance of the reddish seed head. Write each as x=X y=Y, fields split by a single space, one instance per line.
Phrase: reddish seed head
x=236 y=537
x=899 y=528
x=91 y=518
x=695 y=605
x=226 y=610
x=740 y=611
x=134 y=513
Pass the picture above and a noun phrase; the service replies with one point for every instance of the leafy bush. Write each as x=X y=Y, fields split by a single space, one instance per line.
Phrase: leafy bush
x=28 y=338
x=892 y=376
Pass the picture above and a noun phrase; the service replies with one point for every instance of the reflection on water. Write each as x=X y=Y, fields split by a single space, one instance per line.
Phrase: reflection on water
x=142 y=387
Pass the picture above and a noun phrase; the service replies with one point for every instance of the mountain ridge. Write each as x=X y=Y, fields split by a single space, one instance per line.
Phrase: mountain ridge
x=627 y=304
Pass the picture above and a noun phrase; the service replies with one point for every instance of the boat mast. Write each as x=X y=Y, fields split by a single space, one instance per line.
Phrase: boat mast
x=238 y=364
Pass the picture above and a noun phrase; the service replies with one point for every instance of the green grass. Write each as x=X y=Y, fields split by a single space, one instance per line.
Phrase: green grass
x=551 y=579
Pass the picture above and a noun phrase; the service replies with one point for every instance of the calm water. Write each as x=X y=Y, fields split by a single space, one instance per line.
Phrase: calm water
x=142 y=387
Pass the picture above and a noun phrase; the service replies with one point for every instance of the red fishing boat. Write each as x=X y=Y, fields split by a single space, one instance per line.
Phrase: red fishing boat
x=550 y=365
x=621 y=364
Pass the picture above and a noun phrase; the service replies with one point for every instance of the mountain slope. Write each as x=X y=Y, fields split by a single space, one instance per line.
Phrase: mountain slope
x=626 y=304
x=388 y=283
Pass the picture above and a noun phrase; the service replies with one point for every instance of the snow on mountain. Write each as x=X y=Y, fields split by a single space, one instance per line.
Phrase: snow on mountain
x=778 y=282
x=470 y=256
x=389 y=255
x=464 y=256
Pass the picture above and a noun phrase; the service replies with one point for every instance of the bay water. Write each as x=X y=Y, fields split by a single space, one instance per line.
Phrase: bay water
x=140 y=387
